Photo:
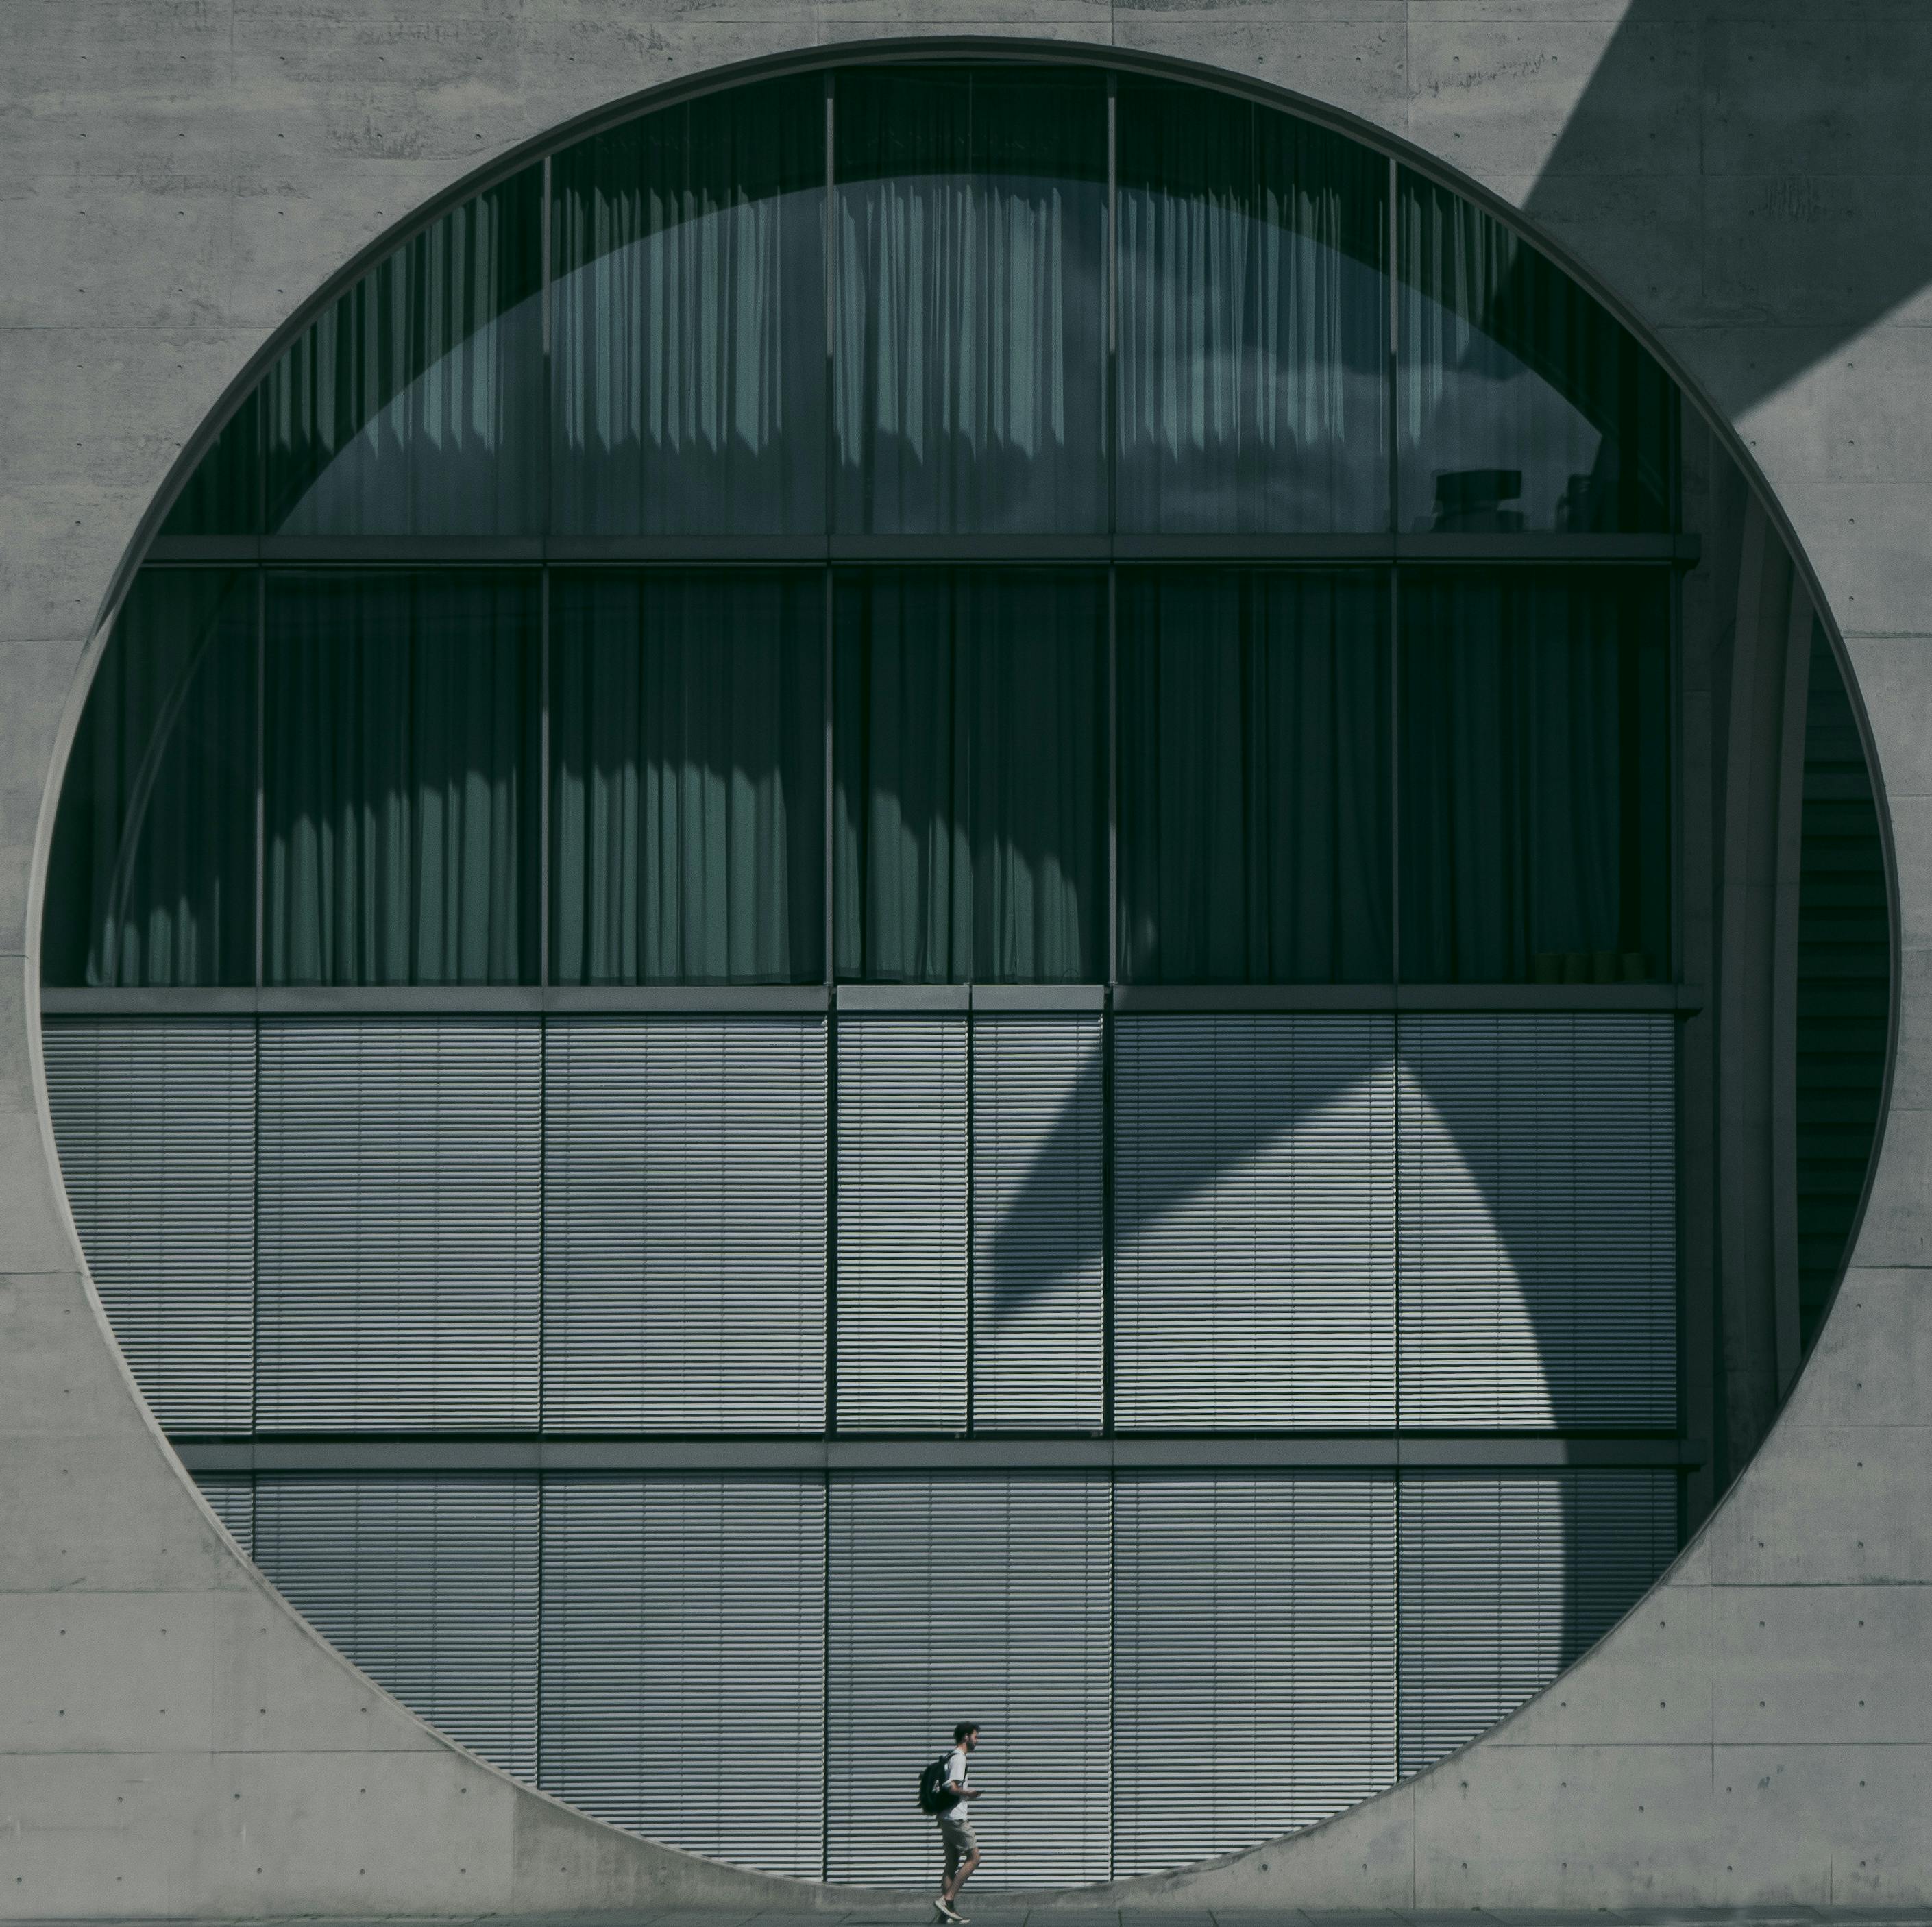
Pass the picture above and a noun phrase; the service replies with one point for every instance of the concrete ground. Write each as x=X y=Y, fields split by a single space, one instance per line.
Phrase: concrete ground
x=993 y=1913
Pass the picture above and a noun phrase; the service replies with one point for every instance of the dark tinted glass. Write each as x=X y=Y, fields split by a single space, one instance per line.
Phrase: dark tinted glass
x=401 y=778
x=1844 y=982
x=1253 y=318
x=412 y=407
x=689 y=341
x=224 y=495
x=1534 y=777
x=152 y=880
x=688 y=778
x=1255 y=725
x=1520 y=402
x=969 y=811
x=970 y=298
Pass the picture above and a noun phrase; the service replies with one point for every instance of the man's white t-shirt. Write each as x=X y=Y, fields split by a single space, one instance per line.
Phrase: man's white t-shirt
x=955 y=1775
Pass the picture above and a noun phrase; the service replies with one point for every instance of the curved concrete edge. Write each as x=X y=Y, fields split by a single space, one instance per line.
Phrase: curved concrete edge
x=178 y=1743
x=1754 y=1732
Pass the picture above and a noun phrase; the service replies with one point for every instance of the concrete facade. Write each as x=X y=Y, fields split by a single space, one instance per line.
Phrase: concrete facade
x=1744 y=178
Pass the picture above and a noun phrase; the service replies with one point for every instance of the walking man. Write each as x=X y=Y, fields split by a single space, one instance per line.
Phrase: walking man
x=956 y=1823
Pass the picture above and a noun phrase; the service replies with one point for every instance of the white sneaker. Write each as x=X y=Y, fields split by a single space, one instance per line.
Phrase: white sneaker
x=945 y=1913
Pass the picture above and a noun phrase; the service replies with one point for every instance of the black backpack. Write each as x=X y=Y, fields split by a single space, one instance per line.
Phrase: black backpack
x=934 y=1784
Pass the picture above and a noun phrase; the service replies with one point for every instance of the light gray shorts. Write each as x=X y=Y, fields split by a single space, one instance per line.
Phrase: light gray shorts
x=961 y=1842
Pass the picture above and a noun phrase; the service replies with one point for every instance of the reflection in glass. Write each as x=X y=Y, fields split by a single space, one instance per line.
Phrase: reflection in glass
x=1520 y=402
x=1535 y=749
x=1254 y=776
x=152 y=875
x=412 y=407
x=969 y=811
x=1253 y=318
x=400 y=782
x=687 y=784
x=968 y=369
x=224 y=495
x=689 y=344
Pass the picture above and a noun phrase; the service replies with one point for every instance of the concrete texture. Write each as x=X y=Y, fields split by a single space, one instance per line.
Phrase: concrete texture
x=1002 y=1914
x=1746 y=178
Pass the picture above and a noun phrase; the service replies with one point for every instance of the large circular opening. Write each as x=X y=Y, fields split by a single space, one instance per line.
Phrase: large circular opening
x=893 y=902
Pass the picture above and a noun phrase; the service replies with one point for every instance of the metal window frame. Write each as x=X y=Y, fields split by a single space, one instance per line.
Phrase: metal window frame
x=828 y=1453
x=933 y=1453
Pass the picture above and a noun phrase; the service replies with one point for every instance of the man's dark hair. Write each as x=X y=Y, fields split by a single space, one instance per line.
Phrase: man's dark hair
x=965 y=1727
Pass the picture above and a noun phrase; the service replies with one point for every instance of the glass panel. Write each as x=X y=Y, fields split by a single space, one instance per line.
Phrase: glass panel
x=1254 y=776
x=690 y=319
x=1535 y=748
x=687 y=784
x=413 y=406
x=1844 y=982
x=401 y=778
x=970 y=810
x=152 y=877
x=1520 y=402
x=968 y=373
x=224 y=495
x=1253 y=318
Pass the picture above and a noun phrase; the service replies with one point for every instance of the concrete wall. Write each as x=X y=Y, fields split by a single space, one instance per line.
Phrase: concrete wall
x=176 y=176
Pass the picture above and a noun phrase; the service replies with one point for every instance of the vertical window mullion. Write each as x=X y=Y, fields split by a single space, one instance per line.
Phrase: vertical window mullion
x=972 y=1024
x=255 y=1021
x=1110 y=436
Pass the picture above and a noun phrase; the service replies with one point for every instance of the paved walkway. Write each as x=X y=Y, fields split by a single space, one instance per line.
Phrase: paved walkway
x=992 y=1914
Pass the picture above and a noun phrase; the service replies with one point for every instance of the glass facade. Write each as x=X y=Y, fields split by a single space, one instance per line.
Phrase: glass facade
x=922 y=748
x=1253 y=305
x=399 y=762
x=153 y=842
x=1256 y=777
x=969 y=812
x=969 y=301
x=688 y=344
x=687 y=790
x=1520 y=403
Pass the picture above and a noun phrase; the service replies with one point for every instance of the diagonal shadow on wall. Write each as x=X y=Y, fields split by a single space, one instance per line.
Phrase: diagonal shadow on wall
x=1747 y=180
x=1540 y=1244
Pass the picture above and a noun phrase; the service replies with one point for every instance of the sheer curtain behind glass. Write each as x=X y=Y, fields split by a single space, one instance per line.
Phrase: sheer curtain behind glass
x=1254 y=776
x=152 y=877
x=1534 y=777
x=688 y=778
x=1520 y=402
x=413 y=406
x=401 y=774
x=970 y=810
x=968 y=366
x=1253 y=318
x=689 y=344
x=224 y=495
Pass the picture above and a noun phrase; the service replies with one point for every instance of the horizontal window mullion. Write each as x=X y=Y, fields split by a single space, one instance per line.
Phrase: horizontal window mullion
x=1147 y=999
x=753 y=999
x=1367 y=551
x=886 y=1451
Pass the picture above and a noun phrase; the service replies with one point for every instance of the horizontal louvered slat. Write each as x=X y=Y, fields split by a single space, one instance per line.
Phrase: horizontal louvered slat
x=1507 y=1578
x=1039 y=1260
x=231 y=1495
x=684 y=1225
x=683 y=1660
x=1254 y=1222
x=901 y=1237
x=428 y=1583
x=1254 y=1662
x=154 y=1121
x=970 y=1599
x=1538 y=1220
x=401 y=1167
